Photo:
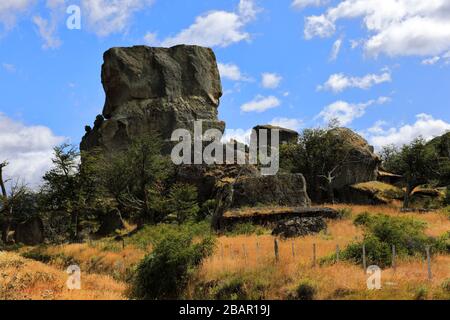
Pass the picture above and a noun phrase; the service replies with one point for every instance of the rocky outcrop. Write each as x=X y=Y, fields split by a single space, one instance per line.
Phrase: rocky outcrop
x=152 y=90
x=370 y=193
x=285 y=135
x=30 y=232
x=361 y=164
x=271 y=216
x=281 y=190
x=299 y=227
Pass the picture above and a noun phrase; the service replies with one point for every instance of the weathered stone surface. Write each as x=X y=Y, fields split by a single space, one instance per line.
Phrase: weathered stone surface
x=362 y=163
x=155 y=89
x=282 y=190
x=370 y=193
x=30 y=232
x=285 y=135
x=299 y=227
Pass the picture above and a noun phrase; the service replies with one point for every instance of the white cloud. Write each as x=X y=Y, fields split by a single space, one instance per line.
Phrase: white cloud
x=340 y=82
x=431 y=61
x=425 y=126
x=10 y=68
x=47 y=31
x=217 y=28
x=288 y=123
x=105 y=17
x=28 y=149
x=9 y=9
x=261 y=104
x=336 y=49
x=271 y=80
x=300 y=4
x=151 y=39
x=231 y=71
x=346 y=112
x=395 y=27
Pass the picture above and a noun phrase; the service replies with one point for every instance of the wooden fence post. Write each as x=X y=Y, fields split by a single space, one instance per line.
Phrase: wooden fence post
x=338 y=251
x=364 y=257
x=430 y=275
x=293 y=249
x=314 y=255
x=394 y=265
x=245 y=252
x=276 y=249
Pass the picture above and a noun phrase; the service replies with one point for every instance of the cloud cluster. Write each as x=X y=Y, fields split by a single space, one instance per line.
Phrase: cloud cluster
x=289 y=123
x=270 y=80
x=216 y=28
x=396 y=27
x=425 y=126
x=28 y=149
x=260 y=104
x=301 y=4
x=345 y=112
x=9 y=9
x=231 y=71
x=105 y=17
x=340 y=82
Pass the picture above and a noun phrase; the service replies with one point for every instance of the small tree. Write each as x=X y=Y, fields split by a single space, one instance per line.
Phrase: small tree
x=164 y=274
x=182 y=202
x=415 y=162
x=319 y=155
x=12 y=203
x=62 y=189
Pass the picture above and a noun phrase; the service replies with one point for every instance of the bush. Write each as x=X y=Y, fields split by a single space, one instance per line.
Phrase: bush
x=182 y=202
x=382 y=231
x=305 y=291
x=447 y=196
x=421 y=293
x=233 y=289
x=446 y=285
x=164 y=274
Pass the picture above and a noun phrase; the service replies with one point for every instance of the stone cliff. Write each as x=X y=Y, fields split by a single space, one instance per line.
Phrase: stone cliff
x=155 y=90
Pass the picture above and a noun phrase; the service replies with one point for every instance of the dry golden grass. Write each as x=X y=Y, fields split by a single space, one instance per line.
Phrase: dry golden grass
x=247 y=257
x=23 y=279
x=253 y=258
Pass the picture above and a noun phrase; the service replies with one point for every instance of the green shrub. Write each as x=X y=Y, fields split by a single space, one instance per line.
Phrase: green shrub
x=345 y=213
x=382 y=231
x=246 y=228
x=233 y=289
x=182 y=202
x=421 y=293
x=305 y=291
x=164 y=274
x=447 y=196
x=446 y=285
x=37 y=254
x=207 y=209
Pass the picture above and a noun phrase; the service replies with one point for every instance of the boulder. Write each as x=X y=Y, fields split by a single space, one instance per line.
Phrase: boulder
x=285 y=135
x=30 y=232
x=281 y=190
x=370 y=193
x=111 y=222
x=152 y=90
x=299 y=227
x=362 y=163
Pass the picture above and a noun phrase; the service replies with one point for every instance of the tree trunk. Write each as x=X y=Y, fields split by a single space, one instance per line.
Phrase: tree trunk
x=331 y=193
x=407 y=198
x=6 y=209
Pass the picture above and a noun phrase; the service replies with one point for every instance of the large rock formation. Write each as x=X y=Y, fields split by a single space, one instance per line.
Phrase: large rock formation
x=361 y=164
x=155 y=89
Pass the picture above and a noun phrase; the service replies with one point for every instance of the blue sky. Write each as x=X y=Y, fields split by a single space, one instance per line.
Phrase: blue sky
x=381 y=68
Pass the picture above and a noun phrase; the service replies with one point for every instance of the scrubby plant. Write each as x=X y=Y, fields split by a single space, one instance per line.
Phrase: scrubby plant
x=165 y=273
x=182 y=202
x=446 y=285
x=421 y=293
x=305 y=290
x=383 y=231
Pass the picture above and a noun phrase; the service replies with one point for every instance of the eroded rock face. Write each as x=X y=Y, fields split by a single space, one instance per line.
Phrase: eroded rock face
x=362 y=163
x=281 y=189
x=299 y=227
x=155 y=89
